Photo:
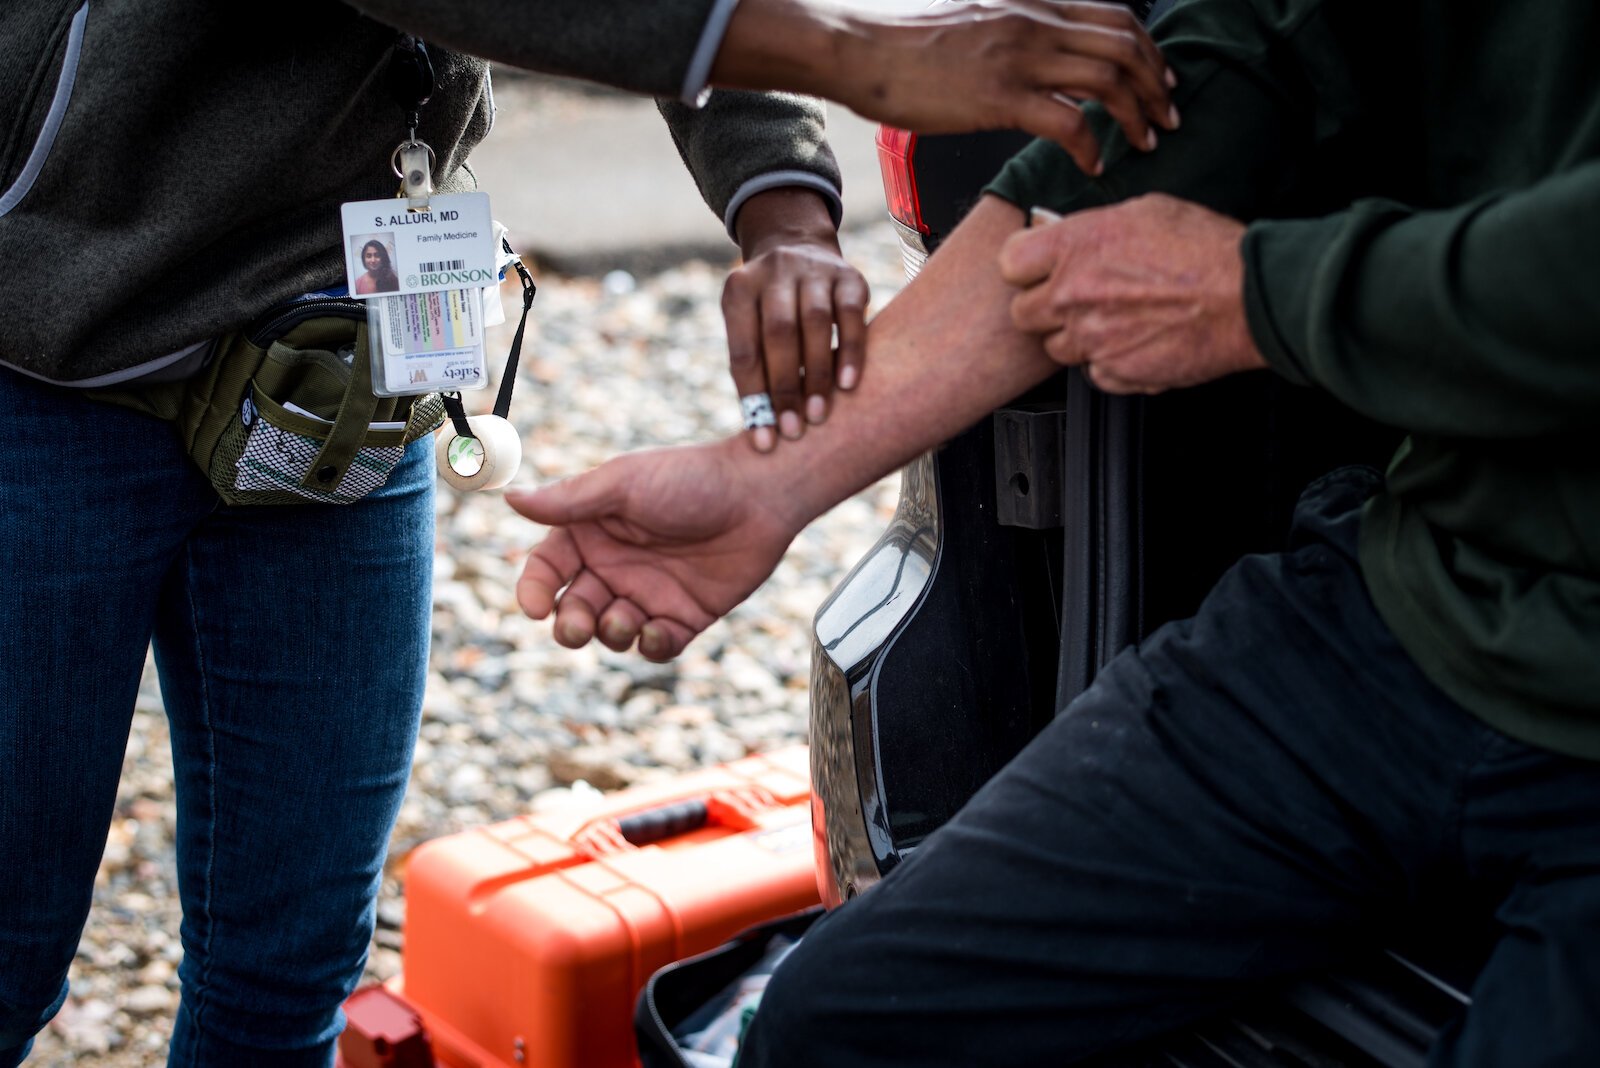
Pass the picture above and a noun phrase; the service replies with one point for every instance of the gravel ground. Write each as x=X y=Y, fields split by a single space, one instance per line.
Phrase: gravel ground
x=511 y=720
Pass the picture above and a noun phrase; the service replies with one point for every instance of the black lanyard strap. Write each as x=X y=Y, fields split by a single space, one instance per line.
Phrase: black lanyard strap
x=508 y=378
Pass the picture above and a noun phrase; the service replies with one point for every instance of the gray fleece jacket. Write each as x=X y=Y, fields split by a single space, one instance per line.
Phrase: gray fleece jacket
x=170 y=168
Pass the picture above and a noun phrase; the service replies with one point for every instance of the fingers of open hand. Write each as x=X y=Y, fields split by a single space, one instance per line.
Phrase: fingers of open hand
x=557 y=561
x=661 y=639
x=579 y=610
x=620 y=624
x=552 y=564
x=588 y=609
x=574 y=621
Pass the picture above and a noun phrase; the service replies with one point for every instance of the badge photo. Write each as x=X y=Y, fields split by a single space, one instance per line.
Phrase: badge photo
x=375 y=253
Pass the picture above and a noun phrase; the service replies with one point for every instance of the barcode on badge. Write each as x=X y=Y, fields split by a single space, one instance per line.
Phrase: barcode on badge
x=435 y=266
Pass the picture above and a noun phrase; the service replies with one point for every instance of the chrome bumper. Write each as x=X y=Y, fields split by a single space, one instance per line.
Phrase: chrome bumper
x=852 y=630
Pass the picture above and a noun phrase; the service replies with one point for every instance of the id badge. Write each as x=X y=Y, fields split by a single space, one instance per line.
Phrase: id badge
x=422 y=274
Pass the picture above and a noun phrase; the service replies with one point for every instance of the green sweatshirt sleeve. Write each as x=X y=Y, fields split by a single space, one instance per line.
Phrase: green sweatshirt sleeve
x=1262 y=87
x=1479 y=321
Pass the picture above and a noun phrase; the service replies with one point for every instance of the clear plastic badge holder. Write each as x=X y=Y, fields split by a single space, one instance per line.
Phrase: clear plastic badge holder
x=422 y=264
x=428 y=342
x=435 y=341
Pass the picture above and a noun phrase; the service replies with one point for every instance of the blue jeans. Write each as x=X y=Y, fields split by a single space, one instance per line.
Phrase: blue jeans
x=1250 y=794
x=292 y=646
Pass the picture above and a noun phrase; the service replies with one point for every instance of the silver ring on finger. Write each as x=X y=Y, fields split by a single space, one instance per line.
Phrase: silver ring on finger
x=757 y=410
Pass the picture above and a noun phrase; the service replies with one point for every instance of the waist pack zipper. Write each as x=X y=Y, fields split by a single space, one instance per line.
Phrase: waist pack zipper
x=276 y=322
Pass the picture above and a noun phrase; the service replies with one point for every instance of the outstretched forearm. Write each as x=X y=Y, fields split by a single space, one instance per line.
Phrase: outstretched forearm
x=940 y=356
x=654 y=546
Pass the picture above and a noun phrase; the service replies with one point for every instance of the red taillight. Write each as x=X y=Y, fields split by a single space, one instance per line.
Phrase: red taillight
x=895 y=151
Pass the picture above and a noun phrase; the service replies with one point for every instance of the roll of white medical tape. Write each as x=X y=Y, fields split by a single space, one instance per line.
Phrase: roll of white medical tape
x=487 y=460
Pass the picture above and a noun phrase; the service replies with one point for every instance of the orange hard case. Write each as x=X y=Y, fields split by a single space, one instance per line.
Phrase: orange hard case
x=528 y=941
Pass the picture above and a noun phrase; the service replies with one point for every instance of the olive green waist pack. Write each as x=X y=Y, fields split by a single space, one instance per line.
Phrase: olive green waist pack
x=284 y=413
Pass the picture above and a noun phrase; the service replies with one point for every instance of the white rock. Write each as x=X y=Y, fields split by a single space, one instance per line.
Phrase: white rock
x=149 y=1000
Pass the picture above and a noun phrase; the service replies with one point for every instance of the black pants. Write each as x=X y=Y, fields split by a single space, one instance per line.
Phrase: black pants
x=1244 y=797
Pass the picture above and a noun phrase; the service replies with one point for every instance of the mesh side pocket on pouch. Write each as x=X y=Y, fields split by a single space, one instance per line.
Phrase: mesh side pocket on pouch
x=290 y=391
x=266 y=452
